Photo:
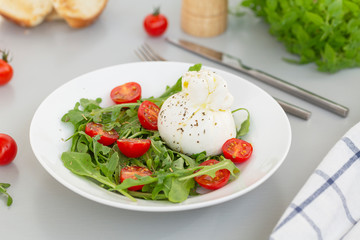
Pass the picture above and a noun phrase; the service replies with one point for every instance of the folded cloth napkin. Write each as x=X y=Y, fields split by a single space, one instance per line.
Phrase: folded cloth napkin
x=328 y=205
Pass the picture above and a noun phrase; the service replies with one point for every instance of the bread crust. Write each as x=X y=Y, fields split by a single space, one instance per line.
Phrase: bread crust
x=20 y=21
x=25 y=17
x=79 y=21
x=58 y=10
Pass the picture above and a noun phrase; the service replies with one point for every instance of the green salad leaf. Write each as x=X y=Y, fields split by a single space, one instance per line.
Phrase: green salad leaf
x=325 y=32
x=177 y=87
x=245 y=125
x=3 y=190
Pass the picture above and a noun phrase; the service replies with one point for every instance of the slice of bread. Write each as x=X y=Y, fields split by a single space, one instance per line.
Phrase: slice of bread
x=27 y=13
x=79 y=13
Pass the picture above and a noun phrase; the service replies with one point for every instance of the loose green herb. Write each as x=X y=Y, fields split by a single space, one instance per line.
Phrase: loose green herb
x=3 y=190
x=173 y=172
x=326 y=32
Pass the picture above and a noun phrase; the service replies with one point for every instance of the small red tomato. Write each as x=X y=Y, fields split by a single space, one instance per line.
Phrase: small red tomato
x=131 y=171
x=8 y=149
x=133 y=147
x=155 y=24
x=106 y=137
x=127 y=93
x=148 y=115
x=221 y=177
x=237 y=150
x=6 y=71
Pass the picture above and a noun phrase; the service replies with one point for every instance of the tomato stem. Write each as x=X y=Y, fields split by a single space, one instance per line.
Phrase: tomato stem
x=156 y=11
x=5 y=55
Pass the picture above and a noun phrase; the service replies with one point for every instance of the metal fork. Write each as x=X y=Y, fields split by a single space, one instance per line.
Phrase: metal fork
x=146 y=53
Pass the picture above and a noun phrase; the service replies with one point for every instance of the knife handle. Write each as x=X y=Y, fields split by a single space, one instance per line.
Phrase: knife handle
x=294 y=110
x=299 y=92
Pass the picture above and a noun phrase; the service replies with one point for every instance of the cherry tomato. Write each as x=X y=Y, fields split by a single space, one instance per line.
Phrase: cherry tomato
x=8 y=149
x=133 y=147
x=148 y=115
x=130 y=171
x=155 y=24
x=106 y=137
x=237 y=150
x=127 y=93
x=6 y=71
x=221 y=177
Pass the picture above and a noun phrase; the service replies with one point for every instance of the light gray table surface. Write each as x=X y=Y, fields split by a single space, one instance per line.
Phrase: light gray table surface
x=52 y=54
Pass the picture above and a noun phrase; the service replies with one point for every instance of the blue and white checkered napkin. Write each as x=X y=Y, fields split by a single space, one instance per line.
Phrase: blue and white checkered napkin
x=328 y=205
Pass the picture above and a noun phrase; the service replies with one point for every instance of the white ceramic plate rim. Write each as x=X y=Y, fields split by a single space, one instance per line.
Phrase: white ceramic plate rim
x=149 y=70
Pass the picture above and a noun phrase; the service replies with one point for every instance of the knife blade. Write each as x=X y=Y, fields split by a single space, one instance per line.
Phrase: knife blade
x=235 y=63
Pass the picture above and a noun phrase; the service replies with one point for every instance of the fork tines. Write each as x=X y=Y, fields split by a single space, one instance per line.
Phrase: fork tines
x=146 y=53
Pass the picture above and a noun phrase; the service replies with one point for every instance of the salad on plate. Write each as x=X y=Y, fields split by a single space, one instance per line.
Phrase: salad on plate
x=160 y=148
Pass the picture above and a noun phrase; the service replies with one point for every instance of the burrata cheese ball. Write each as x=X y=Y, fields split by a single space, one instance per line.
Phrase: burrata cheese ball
x=198 y=118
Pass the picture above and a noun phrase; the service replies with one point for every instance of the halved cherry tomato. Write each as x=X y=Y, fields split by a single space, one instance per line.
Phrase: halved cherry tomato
x=6 y=71
x=221 y=177
x=130 y=171
x=8 y=149
x=127 y=93
x=106 y=137
x=133 y=147
x=148 y=115
x=237 y=150
x=155 y=24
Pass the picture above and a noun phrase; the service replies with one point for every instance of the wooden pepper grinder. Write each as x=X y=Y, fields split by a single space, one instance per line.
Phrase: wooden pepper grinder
x=204 y=18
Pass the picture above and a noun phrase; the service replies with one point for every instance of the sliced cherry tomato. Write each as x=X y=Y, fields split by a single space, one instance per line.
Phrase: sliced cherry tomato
x=106 y=137
x=133 y=147
x=131 y=171
x=221 y=177
x=237 y=150
x=127 y=93
x=6 y=71
x=8 y=149
x=148 y=115
x=155 y=24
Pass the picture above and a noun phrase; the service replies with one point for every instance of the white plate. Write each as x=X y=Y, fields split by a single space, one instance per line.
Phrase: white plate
x=270 y=132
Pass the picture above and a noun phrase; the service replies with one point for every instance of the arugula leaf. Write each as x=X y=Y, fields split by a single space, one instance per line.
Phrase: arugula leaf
x=189 y=161
x=80 y=164
x=79 y=116
x=75 y=116
x=179 y=190
x=172 y=90
x=3 y=190
x=245 y=125
x=196 y=67
x=177 y=87
x=110 y=114
x=129 y=182
x=88 y=104
x=212 y=169
x=110 y=167
x=148 y=196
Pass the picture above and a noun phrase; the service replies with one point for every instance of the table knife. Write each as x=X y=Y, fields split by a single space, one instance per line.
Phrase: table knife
x=235 y=63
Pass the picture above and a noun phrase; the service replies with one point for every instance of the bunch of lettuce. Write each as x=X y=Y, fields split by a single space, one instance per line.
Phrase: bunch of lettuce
x=326 y=32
